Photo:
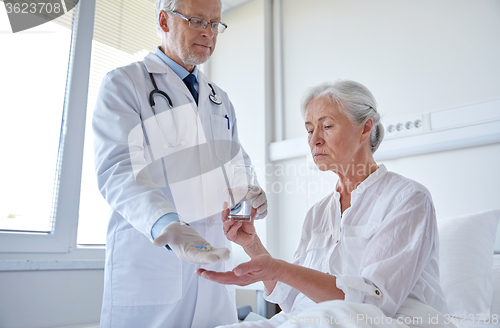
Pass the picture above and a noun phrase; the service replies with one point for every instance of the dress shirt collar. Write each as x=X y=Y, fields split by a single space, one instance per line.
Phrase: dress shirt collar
x=178 y=69
x=370 y=180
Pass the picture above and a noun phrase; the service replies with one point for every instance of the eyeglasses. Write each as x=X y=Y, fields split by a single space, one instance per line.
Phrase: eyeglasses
x=201 y=24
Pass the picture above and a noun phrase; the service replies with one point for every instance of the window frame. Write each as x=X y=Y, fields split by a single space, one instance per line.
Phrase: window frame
x=62 y=240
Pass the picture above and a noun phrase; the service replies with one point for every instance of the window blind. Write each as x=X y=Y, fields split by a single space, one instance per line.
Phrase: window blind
x=124 y=32
x=126 y=25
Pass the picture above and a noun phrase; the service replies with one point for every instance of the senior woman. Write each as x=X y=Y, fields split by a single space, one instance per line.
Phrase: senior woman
x=368 y=251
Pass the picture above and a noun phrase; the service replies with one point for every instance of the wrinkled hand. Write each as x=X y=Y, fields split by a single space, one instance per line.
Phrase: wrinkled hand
x=189 y=246
x=259 y=200
x=239 y=232
x=261 y=268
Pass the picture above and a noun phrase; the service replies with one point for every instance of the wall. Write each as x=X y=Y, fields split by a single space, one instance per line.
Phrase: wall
x=47 y=299
x=413 y=55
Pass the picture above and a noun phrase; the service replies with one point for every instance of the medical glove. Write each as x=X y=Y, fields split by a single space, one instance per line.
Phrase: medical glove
x=186 y=242
x=259 y=200
x=162 y=222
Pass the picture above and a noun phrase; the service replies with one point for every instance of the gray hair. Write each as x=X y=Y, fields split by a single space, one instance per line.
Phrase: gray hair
x=355 y=100
x=166 y=6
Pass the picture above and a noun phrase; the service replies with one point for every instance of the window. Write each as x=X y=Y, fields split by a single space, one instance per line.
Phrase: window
x=124 y=32
x=34 y=66
x=45 y=143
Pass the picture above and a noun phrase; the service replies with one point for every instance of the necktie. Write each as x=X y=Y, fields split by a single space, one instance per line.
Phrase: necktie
x=189 y=81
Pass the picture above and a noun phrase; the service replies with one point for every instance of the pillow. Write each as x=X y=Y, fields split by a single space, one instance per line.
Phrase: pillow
x=466 y=256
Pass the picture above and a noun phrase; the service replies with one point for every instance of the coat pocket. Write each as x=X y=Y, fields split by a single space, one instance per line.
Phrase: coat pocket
x=221 y=139
x=143 y=274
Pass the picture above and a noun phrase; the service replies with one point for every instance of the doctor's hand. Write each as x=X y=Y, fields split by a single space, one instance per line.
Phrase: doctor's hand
x=239 y=232
x=259 y=200
x=189 y=246
x=261 y=268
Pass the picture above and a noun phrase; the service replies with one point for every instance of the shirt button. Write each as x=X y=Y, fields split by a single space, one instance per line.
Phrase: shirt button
x=205 y=169
x=377 y=292
x=210 y=221
x=337 y=242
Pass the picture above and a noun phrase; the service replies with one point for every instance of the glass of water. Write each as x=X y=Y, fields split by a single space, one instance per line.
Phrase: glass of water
x=241 y=180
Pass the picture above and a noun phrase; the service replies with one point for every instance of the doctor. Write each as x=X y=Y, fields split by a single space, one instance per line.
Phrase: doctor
x=164 y=136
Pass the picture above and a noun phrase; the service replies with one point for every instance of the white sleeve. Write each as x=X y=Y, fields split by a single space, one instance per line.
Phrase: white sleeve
x=356 y=289
x=118 y=142
x=396 y=255
x=283 y=295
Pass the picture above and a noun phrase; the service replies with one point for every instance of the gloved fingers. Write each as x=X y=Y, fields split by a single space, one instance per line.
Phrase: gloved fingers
x=262 y=215
x=190 y=253
x=178 y=233
x=258 y=195
x=253 y=192
x=210 y=255
x=261 y=209
x=260 y=202
x=221 y=253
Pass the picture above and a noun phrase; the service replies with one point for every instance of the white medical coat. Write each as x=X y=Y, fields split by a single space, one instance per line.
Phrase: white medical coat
x=142 y=179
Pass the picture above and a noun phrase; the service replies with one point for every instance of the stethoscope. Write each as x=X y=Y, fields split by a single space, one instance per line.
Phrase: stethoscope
x=213 y=98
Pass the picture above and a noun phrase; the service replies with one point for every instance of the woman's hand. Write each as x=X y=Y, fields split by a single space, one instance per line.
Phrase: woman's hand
x=260 y=268
x=239 y=232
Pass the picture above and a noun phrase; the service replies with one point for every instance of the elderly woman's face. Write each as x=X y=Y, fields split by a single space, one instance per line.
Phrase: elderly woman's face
x=333 y=140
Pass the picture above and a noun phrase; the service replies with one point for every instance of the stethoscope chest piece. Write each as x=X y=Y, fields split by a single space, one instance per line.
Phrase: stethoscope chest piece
x=213 y=96
x=215 y=99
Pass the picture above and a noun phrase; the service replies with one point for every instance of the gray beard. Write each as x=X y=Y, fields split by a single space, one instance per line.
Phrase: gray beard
x=191 y=59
